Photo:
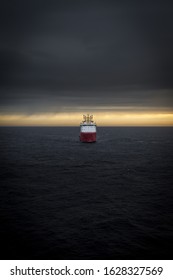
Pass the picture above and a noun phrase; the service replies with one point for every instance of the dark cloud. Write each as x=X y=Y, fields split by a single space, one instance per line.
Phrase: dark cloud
x=59 y=54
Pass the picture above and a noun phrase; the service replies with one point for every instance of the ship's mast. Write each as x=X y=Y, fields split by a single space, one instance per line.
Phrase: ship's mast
x=88 y=119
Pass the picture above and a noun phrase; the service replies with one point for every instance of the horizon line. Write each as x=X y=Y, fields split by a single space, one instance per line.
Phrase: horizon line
x=79 y=125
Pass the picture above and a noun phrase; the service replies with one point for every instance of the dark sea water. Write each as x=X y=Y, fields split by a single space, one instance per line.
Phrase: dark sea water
x=62 y=199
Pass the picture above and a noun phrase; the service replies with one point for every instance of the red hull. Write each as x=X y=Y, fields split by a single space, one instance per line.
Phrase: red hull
x=88 y=137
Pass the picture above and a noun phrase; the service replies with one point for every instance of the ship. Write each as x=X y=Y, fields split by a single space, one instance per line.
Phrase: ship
x=88 y=129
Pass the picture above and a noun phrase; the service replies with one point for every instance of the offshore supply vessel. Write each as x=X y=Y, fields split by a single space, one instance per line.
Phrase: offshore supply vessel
x=88 y=129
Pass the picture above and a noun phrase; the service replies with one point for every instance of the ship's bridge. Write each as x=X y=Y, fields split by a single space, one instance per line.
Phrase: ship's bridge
x=91 y=128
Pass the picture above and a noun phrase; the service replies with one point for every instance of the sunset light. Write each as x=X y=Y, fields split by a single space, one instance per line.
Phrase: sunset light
x=102 y=119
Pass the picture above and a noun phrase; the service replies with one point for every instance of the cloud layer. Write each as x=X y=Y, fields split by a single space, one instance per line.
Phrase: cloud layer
x=59 y=56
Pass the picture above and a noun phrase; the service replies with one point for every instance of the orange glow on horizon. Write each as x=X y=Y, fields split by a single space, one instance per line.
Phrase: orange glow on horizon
x=101 y=118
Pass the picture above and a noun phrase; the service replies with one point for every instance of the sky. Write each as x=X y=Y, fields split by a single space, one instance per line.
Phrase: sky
x=62 y=59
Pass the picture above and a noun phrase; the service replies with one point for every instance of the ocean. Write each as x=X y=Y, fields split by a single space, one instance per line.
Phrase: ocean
x=63 y=199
